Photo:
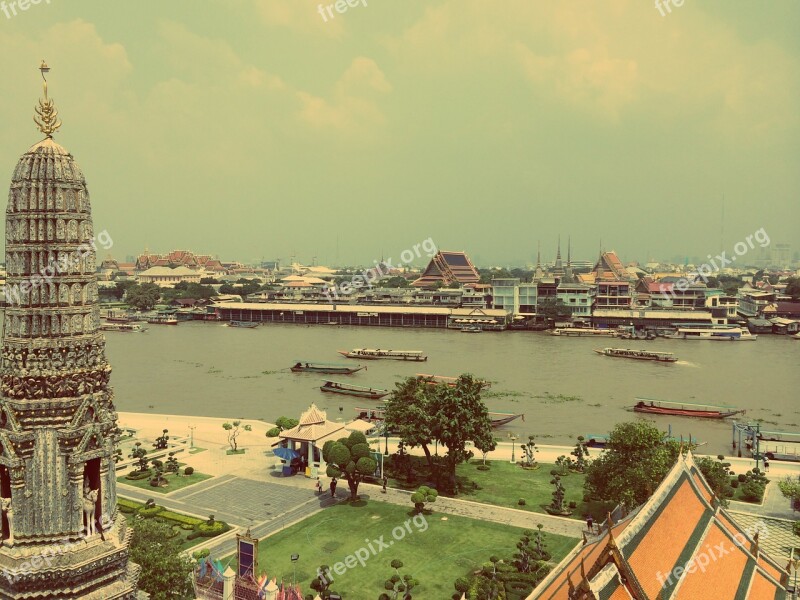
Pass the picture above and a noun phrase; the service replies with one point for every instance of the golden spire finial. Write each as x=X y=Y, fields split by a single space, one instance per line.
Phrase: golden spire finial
x=46 y=113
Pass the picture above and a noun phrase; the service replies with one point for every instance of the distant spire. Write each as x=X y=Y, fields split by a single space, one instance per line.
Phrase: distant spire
x=569 y=251
x=558 y=268
x=46 y=113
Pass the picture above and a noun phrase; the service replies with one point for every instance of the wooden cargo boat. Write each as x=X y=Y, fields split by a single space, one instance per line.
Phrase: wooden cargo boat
x=684 y=409
x=638 y=354
x=243 y=324
x=329 y=369
x=376 y=354
x=347 y=389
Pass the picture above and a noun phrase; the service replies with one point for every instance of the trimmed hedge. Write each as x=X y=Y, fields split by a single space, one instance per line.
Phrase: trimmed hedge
x=137 y=475
x=128 y=506
x=180 y=519
x=148 y=513
x=205 y=530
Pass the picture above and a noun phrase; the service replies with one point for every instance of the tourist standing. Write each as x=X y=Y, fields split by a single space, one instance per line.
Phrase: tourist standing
x=766 y=464
x=589 y=523
x=333 y=487
x=319 y=487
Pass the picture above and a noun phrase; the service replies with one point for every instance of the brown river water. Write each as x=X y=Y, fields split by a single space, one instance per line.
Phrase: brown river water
x=563 y=388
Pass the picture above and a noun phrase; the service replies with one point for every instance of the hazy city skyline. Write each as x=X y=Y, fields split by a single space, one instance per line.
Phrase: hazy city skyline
x=261 y=130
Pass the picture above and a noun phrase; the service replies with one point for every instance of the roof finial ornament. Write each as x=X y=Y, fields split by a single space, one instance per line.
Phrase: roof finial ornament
x=46 y=113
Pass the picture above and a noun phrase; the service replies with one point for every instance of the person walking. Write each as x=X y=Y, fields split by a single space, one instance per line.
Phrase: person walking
x=385 y=481
x=319 y=487
x=333 y=487
x=589 y=523
x=766 y=464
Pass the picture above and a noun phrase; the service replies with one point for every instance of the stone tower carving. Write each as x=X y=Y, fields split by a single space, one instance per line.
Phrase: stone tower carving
x=62 y=536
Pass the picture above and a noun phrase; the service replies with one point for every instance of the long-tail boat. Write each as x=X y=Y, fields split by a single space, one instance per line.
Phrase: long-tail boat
x=684 y=409
x=448 y=381
x=303 y=366
x=377 y=353
x=347 y=389
x=638 y=354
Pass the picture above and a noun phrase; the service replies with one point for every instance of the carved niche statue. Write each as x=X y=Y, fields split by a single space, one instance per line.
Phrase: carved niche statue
x=9 y=510
x=89 y=503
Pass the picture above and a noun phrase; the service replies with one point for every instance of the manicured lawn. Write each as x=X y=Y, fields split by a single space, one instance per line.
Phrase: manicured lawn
x=436 y=553
x=176 y=482
x=504 y=484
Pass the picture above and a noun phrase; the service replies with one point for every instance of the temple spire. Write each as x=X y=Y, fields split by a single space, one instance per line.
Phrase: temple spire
x=46 y=117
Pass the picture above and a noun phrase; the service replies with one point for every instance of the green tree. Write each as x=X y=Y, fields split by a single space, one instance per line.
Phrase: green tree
x=349 y=458
x=718 y=476
x=553 y=309
x=581 y=453
x=166 y=572
x=140 y=454
x=398 y=584
x=557 y=503
x=421 y=412
x=793 y=288
x=421 y=496
x=636 y=459
x=234 y=431
x=790 y=488
x=529 y=450
x=143 y=296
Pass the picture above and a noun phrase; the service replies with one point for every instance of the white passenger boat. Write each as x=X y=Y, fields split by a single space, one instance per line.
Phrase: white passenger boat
x=734 y=334
x=584 y=331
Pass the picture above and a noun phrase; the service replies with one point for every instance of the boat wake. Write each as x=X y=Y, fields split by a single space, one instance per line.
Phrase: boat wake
x=686 y=363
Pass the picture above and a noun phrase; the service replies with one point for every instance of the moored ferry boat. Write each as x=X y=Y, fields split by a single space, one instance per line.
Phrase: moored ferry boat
x=126 y=327
x=377 y=353
x=684 y=409
x=583 y=331
x=472 y=329
x=336 y=387
x=667 y=357
x=163 y=319
x=734 y=334
x=304 y=366
x=113 y=316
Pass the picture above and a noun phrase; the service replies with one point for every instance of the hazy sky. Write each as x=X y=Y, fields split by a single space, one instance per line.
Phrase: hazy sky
x=255 y=129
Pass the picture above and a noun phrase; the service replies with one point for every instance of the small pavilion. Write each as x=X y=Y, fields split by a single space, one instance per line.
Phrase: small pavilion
x=311 y=433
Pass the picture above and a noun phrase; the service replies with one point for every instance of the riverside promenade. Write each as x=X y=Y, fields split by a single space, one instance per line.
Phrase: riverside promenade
x=248 y=491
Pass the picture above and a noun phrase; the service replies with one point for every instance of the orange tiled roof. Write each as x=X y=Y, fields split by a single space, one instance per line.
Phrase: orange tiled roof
x=679 y=545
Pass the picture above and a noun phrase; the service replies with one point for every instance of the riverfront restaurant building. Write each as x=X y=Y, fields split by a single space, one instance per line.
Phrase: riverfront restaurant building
x=678 y=545
x=354 y=314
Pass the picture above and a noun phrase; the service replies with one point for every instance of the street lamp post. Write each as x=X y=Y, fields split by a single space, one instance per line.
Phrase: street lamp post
x=386 y=438
x=295 y=558
x=513 y=438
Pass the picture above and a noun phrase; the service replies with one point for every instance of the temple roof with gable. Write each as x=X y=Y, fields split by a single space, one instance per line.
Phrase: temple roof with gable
x=680 y=544
x=447 y=268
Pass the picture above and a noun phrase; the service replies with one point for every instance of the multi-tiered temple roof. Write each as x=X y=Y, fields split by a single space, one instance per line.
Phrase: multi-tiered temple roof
x=448 y=268
x=679 y=545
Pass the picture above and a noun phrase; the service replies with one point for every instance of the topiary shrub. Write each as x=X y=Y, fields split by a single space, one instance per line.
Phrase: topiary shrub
x=188 y=471
x=521 y=501
x=273 y=432
x=149 y=512
x=554 y=472
x=742 y=477
x=753 y=491
x=735 y=483
x=208 y=530
x=573 y=505
x=137 y=475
